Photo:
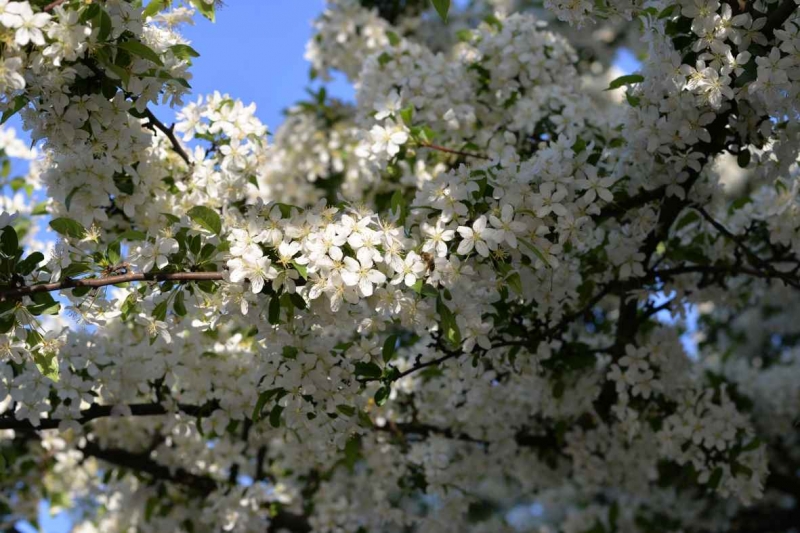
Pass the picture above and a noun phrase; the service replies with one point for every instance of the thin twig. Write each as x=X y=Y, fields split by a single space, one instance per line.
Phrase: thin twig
x=70 y=283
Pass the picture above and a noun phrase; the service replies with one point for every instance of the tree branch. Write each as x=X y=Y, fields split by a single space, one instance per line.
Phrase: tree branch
x=778 y=17
x=103 y=411
x=70 y=283
x=170 y=134
x=202 y=484
x=752 y=256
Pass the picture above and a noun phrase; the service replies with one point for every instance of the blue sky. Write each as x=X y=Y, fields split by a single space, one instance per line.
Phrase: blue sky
x=254 y=52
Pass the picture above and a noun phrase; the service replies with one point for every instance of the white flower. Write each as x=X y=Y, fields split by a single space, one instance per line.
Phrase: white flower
x=388 y=139
x=30 y=25
x=10 y=76
x=388 y=106
x=256 y=271
x=362 y=275
x=478 y=236
x=155 y=328
x=438 y=237
x=149 y=255
x=505 y=227
x=408 y=270
x=6 y=218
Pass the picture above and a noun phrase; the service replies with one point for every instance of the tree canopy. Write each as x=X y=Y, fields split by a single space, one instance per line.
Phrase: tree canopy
x=507 y=288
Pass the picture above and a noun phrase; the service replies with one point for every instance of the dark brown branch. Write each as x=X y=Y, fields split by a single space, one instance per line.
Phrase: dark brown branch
x=70 y=283
x=752 y=256
x=103 y=411
x=202 y=484
x=141 y=462
x=618 y=209
x=778 y=17
x=170 y=133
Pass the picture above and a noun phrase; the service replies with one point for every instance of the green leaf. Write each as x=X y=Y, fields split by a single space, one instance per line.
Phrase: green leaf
x=369 y=371
x=74 y=269
x=346 y=410
x=301 y=269
x=352 y=451
x=140 y=49
x=207 y=10
x=381 y=395
x=389 y=348
x=68 y=199
x=260 y=403
x=45 y=308
x=68 y=227
x=184 y=51
x=738 y=469
x=613 y=515
x=113 y=252
x=394 y=39
x=91 y=11
x=27 y=265
x=275 y=416
x=535 y=250
x=743 y=159
x=132 y=235
x=515 y=282
x=40 y=209
x=18 y=103
x=47 y=364
x=153 y=7
x=290 y=352
x=9 y=242
x=207 y=218
x=275 y=310
x=178 y=305
x=442 y=7
x=625 y=80
x=667 y=11
x=407 y=115
x=160 y=311
x=753 y=445
x=103 y=22
x=716 y=477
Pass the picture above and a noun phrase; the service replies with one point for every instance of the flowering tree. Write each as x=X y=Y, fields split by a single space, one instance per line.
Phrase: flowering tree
x=459 y=304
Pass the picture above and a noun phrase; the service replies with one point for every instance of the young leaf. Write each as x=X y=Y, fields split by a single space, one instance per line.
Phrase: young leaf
x=389 y=348
x=184 y=51
x=142 y=50
x=153 y=7
x=9 y=242
x=381 y=395
x=368 y=371
x=442 y=7
x=205 y=8
x=275 y=416
x=625 y=80
x=19 y=102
